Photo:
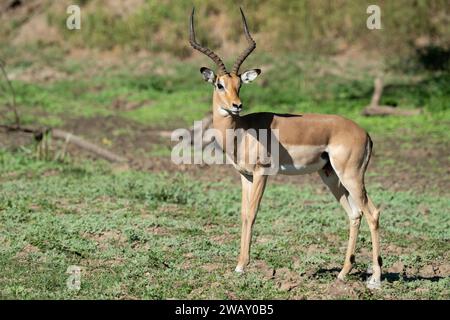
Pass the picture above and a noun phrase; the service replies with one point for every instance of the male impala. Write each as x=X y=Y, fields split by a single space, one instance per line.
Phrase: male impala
x=337 y=148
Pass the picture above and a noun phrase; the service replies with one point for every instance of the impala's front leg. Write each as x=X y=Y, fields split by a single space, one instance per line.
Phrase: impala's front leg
x=246 y=188
x=252 y=191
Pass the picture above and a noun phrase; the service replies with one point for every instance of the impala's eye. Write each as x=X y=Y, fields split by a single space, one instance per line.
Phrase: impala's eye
x=219 y=86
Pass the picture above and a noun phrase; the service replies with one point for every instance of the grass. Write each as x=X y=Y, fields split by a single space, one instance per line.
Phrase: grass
x=138 y=235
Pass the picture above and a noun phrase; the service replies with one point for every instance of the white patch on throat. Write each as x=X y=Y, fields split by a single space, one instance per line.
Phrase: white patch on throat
x=223 y=112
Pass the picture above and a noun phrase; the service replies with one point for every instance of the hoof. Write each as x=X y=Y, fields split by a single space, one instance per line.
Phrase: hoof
x=341 y=276
x=239 y=269
x=373 y=283
x=369 y=270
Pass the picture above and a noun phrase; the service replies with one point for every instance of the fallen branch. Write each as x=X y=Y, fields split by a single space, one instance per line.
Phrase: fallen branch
x=39 y=133
x=377 y=92
x=197 y=133
x=374 y=109
x=389 y=111
x=88 y=146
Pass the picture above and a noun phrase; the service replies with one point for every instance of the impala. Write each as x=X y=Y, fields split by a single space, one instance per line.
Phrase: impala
x=335 y=147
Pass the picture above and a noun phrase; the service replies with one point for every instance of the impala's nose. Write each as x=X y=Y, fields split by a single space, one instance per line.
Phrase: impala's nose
x=237 y=106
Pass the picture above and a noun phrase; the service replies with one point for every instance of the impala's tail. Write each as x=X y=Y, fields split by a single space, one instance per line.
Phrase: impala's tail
x=375 y=213
x=368 y=153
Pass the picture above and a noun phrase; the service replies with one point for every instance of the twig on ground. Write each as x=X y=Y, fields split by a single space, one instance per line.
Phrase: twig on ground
x=68 y=137
x=374 y=109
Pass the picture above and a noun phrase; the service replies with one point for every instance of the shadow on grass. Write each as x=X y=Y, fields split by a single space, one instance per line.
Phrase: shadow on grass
x=395 y=276
x=388 y=276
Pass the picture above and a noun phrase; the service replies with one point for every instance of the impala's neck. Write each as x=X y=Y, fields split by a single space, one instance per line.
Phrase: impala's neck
x=222 y=121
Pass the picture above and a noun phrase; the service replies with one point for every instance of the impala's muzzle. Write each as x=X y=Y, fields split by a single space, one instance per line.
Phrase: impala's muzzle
x=236 y=108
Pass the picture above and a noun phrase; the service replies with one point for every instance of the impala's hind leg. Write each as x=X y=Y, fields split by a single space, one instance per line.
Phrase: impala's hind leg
x=330 y=178
x=350 y=165
x=355 y=186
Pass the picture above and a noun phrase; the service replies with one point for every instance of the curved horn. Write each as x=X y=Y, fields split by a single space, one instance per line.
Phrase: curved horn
x=250 y=48
x=206 y=51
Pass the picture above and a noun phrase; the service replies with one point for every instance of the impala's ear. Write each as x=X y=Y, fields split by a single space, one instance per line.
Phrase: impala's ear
x=208 y=75
x=250 y=75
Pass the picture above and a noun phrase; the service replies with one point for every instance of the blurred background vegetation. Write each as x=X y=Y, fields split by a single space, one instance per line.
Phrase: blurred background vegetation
x=412 y=29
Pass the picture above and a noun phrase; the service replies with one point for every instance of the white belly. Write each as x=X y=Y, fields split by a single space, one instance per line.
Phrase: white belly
x=294 y=169
x=301 y=159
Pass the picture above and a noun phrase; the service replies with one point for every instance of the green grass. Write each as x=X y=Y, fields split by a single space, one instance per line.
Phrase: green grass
x=139 y=235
